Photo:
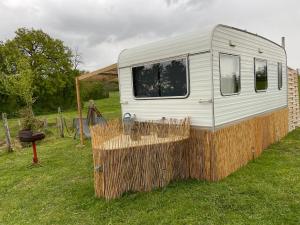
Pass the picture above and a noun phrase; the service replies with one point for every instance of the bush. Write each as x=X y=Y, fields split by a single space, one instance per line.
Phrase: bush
x=93 y=90
x=10 y=104
x=28 y=121
x=112 y=85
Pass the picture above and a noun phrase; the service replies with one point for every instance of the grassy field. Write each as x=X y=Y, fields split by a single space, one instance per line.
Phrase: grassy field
x=60 y=191
x=110 y=108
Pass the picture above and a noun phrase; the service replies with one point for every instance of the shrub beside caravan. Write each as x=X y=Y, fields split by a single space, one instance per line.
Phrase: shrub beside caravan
x=231 y=83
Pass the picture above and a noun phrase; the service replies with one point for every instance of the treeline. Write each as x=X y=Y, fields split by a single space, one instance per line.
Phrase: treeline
x=54 y=68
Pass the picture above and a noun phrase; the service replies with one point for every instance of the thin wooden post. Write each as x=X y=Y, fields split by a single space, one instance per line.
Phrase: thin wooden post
x=79 y=110
x=7 y=133
x=60 y=121
x=45 y=123
x=20 y=125
x=91 y=113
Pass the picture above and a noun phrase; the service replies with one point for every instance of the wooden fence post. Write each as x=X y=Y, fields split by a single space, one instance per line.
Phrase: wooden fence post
x=45 y=124
x=60 y=121
x=7 y=133
x=20 y=125
x=79 y=110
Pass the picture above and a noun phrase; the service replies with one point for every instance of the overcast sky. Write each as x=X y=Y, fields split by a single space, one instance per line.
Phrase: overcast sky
x=100 y=29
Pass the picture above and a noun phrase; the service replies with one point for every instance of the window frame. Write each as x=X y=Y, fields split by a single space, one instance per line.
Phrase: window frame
x=220 y=75
x=184 y=57
x=279 y=63
x=264 y=60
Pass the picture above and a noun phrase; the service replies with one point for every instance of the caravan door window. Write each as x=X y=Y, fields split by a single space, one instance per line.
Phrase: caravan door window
x=230 y=76
x=161 y=80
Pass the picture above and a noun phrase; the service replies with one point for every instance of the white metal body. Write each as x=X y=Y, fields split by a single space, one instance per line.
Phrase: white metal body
x=205 y=104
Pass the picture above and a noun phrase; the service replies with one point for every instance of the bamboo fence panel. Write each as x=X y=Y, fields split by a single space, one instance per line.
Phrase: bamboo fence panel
x=200 y=146
x=139 y=162
x=293 y=99
x=237 y=144
x=155 y=154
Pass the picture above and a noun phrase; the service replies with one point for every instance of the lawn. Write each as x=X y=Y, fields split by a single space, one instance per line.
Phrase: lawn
x=60 y=191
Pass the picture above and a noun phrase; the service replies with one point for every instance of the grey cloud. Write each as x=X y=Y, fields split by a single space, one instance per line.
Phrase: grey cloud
x=190 y=4
x=170 y=2
x=102 y=28
x=105 y=24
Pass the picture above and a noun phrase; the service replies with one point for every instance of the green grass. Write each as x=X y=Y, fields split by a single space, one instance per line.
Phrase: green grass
x=60 y=191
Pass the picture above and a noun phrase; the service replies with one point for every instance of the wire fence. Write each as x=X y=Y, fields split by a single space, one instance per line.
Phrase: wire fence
x=61 y=126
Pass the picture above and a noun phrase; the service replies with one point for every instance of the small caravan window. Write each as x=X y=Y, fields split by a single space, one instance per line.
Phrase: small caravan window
x=261 y=75
x=279 y=68
x=230 y=77
x=163 y=79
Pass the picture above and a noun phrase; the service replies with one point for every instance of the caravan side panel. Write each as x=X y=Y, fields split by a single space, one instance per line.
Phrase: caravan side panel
x=190 y=43
x=154 y=109
x=248 y=102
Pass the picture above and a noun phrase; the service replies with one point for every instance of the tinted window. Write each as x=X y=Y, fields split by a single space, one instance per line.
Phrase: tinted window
x=261 y=75
x=279 y=67
x=230 y=74
x=146 y=81
x=165 y=79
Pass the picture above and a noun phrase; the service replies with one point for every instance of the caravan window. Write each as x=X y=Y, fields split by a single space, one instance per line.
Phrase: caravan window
x=163 y=79
x=279 y=68
x=261 y=75
x=230 y=76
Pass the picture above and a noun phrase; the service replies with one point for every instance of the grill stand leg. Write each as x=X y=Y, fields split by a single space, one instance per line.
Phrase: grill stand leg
x=35 y=158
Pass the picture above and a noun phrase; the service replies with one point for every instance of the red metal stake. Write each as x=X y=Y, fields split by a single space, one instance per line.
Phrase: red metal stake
x=35 y=158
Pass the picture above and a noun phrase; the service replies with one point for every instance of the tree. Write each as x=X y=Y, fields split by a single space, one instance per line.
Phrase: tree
x=19 y=82
x=50 y=62
x=76 y=58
